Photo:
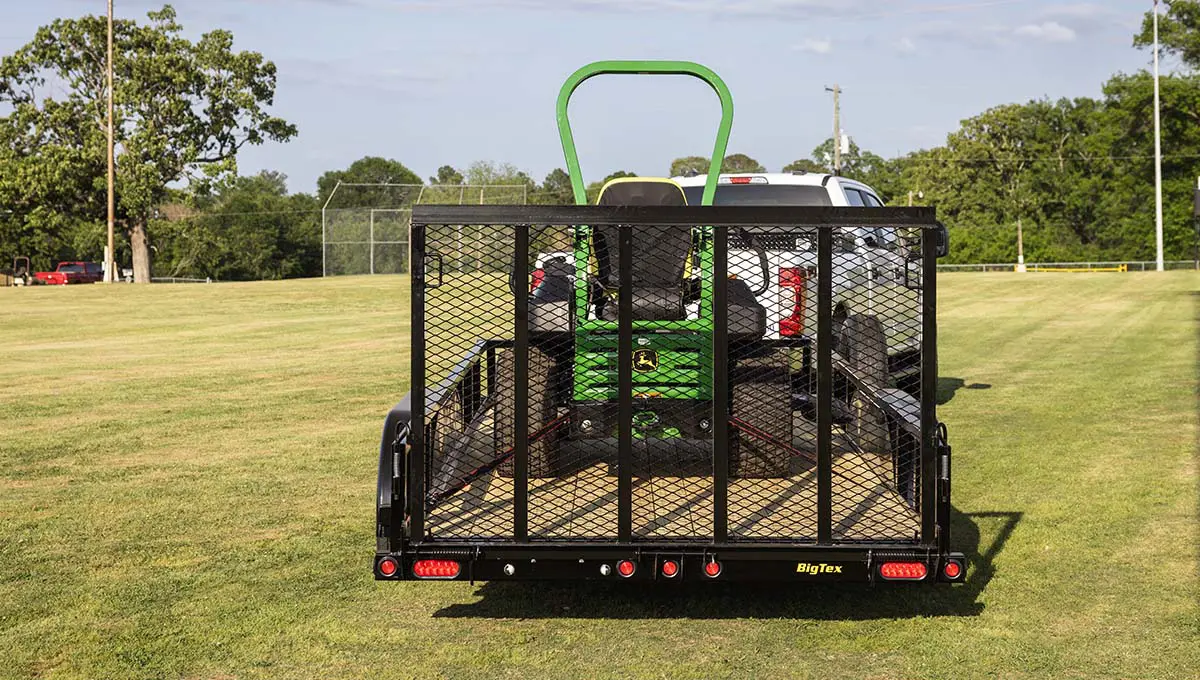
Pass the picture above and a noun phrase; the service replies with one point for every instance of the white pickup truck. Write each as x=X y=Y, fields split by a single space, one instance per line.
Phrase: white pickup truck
x=875 y=280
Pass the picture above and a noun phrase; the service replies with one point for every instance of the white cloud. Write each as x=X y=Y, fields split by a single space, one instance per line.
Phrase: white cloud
x=1047 y=31
x=905 y=45
x=815 y=46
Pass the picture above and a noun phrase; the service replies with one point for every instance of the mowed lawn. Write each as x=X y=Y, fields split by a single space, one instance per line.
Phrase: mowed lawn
x=187 y=479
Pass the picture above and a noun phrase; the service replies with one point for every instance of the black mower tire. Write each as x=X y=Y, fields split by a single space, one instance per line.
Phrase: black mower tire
x=543 y=453
x=762 y=397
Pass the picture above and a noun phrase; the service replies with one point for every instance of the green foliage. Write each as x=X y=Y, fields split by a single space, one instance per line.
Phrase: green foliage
x=368 y=170
x=1178 y=31
x=183 y=109
x=740 y=162
x=689 y=165
x=805 y=165
x=447 y=175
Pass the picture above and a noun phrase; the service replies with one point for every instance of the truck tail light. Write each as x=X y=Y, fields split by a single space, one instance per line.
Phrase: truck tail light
x=537 y=275
x=903 y=571
x=793 y=297
x=436 y=569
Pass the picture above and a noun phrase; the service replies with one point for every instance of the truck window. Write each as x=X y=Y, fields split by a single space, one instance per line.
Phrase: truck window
x=854 y=198
x=872 y=201
x=761 y=194
x=70 y=268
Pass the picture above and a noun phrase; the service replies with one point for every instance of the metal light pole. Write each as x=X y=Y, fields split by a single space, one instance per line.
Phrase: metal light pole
x=110 y=268
x=1158 y=200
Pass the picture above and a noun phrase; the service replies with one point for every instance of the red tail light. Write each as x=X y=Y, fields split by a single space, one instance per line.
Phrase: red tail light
x=794 y=295
x=952 y=569
x=436 y=569
x=537 y=276
x=670 y=568
x=903 y=571
x=739 y=180
x=388 y=567
x=713 y=569
x=626 y=568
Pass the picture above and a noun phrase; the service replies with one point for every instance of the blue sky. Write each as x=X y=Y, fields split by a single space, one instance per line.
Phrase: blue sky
x=433 y=82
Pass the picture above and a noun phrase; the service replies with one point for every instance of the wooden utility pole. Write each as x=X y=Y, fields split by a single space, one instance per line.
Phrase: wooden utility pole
x=837 y=128
x=110 y=268
x=1158 y=198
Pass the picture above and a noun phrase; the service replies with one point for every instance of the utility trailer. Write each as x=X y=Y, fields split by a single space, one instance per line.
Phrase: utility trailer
x=632 y=418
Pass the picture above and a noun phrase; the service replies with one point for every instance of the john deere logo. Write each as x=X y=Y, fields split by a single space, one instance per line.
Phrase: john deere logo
x=645 y=360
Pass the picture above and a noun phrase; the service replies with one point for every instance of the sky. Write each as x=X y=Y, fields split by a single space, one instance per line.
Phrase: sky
x=435 y=82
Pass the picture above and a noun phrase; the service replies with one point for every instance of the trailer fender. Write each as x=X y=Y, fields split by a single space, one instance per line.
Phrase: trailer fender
x=391 y=468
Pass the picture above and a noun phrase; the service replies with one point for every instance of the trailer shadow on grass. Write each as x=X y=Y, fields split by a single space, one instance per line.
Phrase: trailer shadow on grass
x=948 y=387
x=594 y=600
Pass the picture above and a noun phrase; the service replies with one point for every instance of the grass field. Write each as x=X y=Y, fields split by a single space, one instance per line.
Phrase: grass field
x=187 y=478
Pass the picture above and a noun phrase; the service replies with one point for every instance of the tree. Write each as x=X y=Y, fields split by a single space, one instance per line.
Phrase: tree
x=740 y=162
x=689 y=165
x=369 y=170
x=183 y=110
x=805 y=165
x=447 y=175
x=1178 y=31
x=556 y=188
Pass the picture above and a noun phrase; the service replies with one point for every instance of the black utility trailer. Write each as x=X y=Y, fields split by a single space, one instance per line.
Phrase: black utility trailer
x=599 y=424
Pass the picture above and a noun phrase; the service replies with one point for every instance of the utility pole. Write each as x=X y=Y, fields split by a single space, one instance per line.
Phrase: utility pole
x=110 y=268
x=837 y=128
x=1158 y=200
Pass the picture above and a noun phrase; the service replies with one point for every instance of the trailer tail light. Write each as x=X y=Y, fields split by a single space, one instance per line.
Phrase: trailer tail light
x=436 y=569
x=712 y=569
x=792 y=291
x=388 y=567
x=626 y=568
x=537 y=276
x=670 y=568
x=952 y=569
x=903 y=571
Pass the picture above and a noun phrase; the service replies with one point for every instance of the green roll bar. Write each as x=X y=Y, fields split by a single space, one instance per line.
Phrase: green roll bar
x=674 y=68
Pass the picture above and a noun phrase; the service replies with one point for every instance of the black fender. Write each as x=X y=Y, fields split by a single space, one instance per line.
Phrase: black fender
x=390 y=482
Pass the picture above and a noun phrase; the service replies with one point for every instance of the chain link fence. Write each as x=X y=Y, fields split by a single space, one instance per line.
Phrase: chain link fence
x=365 y=227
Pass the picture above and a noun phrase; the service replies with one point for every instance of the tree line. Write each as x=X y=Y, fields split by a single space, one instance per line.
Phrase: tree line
x=1076 y=173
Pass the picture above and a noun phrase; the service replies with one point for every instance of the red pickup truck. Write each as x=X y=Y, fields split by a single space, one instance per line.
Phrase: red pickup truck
x=72 y=272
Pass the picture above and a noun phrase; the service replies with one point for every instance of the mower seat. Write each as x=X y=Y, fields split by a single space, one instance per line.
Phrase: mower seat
x=660 y=254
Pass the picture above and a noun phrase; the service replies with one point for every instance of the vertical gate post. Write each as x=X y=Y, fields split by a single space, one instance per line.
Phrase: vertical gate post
x=720 y=382
x=625 y=385
x=416 y=456
x=929 y=378
x=824 y=385
x=521 y=387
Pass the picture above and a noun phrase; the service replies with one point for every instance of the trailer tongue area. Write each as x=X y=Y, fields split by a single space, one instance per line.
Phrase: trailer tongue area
x=631 y=418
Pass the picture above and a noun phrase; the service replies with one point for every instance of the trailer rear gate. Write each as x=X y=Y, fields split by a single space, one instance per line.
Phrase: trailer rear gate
x=774 y=450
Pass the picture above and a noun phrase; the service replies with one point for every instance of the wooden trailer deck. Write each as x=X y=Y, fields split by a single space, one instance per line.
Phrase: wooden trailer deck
x=582 y=505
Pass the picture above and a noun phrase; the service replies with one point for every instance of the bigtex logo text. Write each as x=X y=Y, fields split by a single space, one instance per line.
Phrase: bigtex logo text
x=821 y=568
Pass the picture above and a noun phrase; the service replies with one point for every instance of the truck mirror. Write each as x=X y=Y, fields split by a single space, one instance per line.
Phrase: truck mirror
x=943 y=240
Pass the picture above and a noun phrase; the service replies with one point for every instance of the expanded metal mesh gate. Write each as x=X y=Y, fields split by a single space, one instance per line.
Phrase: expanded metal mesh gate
x=673 y=375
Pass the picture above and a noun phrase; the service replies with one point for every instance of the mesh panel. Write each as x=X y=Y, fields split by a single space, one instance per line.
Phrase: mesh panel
x=571 y=287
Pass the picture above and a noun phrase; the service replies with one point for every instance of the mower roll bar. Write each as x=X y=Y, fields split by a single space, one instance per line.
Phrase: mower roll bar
x=673 y=68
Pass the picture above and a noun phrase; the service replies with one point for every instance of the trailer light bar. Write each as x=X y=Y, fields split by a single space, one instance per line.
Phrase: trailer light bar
x=626 y=568
x=952 y=569
x=436 y=569
x=388 y=567
x=670 y=568
x=903 y=571
x=712 y=569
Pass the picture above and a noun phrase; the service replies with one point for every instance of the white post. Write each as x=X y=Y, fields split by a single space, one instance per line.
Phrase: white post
x=110 y=267
x=372 y=239
x=1020 y=248
x=1158 y=200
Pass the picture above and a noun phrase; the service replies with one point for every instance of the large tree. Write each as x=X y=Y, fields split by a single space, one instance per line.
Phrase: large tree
x=183 y=111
